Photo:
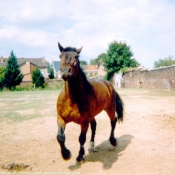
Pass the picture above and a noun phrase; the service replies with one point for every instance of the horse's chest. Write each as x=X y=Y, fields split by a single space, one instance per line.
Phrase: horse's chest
x=69 y=112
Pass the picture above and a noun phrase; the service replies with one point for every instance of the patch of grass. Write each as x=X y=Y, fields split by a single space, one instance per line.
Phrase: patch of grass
x=13 y=117
x=24 y=105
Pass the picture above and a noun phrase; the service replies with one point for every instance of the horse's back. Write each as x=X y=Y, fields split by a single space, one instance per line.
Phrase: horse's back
x=102 y=85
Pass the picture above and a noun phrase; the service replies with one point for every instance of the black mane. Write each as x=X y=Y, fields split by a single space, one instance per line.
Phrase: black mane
x=70 y=49
x=81 y=91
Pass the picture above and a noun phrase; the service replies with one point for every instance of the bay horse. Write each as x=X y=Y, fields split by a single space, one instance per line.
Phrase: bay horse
x=81 y=100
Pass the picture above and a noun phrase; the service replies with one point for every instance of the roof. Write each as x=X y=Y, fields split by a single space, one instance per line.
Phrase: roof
x=89 y=67
x=40 y=62
x=56 y=65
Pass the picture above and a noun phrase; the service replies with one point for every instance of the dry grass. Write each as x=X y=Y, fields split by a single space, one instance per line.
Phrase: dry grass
x=24 y=105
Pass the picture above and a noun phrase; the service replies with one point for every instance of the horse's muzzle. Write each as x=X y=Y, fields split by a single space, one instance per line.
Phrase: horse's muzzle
x=65 y=77
x=65 y=73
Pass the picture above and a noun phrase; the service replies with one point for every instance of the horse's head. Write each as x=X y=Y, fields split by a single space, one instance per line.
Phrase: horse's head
x=69 y=62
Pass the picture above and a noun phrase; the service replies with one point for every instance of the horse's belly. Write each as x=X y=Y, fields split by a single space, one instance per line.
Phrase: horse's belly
x=98 y=108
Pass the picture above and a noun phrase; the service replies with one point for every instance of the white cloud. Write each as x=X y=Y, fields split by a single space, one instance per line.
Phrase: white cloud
x=147 y=26
x=7 y=33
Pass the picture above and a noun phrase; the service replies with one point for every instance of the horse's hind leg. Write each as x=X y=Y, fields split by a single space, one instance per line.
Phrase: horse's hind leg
x=93 y=129
x=112 y=139
x=113 y=119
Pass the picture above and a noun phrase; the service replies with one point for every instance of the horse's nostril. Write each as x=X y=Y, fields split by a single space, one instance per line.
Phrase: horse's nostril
x=69 y=70
x=60 y=68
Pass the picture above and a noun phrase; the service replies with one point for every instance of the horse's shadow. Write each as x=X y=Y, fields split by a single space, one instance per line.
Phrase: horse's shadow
x=106 y=153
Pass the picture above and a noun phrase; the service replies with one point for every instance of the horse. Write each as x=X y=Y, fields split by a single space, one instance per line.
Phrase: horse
x=81 y=99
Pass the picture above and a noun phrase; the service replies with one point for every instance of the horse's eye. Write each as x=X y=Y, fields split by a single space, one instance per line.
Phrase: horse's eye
x=70 y=58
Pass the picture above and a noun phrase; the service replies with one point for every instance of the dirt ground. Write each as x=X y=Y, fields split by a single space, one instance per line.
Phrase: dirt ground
x=146 y=140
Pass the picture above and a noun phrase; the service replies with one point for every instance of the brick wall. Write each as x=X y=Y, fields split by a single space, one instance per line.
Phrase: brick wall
x=160 y=78
x=25 y=69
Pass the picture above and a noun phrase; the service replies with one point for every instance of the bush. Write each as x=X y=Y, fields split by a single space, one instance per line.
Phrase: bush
x=37 y=78
x=51 y=75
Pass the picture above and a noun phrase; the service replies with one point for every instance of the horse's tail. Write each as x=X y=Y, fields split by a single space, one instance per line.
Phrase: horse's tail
x=119 y=108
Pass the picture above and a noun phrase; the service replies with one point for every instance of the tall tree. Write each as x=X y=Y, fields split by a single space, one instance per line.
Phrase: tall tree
x=2 y=71
x=164 y=62
x=119 y=56
x=37 y=78
x=13 y=75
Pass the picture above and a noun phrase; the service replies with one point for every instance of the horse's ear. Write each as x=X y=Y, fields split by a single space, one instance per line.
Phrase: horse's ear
x=60 y=47
x=79 y=50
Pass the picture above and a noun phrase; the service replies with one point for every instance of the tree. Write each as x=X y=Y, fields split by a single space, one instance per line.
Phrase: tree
x=2 y=71
x=119 y=56
x=93 y=61
x=51 y=74
x=164 y=62
x=83 y=62
x=12 y=75
x=98 y=61
x=48 y=67
x=37 y=78
x=50 y=71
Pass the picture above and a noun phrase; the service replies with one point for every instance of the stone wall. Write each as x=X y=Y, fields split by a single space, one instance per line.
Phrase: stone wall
x=159 y=78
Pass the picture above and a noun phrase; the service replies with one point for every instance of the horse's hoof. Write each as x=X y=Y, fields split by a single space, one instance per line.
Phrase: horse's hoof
x=80 y=159
x=66 y=154
x=113 y=141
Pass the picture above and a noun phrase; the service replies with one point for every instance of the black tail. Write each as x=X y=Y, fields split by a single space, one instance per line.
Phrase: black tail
x=119 y=108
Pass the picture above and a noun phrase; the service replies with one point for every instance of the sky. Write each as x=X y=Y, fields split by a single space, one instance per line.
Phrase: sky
x=33 y=28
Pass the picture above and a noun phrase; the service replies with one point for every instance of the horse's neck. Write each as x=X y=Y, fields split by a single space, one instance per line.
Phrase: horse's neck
x=74 y=86
x=80 y=91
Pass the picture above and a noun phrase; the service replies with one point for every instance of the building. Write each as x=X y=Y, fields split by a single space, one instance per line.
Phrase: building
x=90 y=70
x=56 y=68
x=101 y=71
x=27 y=65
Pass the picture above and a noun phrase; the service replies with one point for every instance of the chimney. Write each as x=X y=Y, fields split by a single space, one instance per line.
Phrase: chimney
x=2 y=59
x=43 y=60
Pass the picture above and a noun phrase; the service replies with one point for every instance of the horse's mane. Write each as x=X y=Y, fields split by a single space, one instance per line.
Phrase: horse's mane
x=70 y=49
x=81 y=91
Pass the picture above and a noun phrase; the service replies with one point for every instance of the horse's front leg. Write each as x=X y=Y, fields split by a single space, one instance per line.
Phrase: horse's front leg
x=82 y=140
x=61 y=139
